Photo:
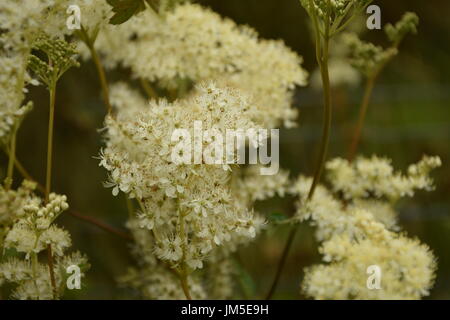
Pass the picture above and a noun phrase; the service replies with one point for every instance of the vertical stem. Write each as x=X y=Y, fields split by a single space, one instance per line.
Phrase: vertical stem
x=48 y=180
x=89 y=42
x=322 y=53
x=327 y=119
x=151 y=93
x=34 y=265
x=12 y=159
x=51 y=270
x=184 y=285
x=282 y=262
x=48 y=183
x=102 y=77
x=361 y=118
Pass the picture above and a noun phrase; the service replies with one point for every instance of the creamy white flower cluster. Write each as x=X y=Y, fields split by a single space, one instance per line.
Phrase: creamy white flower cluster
x=190 y=209
x=26 y=226
x=193 y=43
x=375 y=177
x=357 y=223
x=20 y=25
x=407 y=266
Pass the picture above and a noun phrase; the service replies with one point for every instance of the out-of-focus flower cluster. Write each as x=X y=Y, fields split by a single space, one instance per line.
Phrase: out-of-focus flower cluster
x=27 y=228
x=21 y=25
x=356 y=222
x=194 y=44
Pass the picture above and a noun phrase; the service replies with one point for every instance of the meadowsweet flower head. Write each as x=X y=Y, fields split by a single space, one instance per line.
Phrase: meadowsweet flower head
x=189 y=209
x=194 y=44
x=375 y=177
x=408 y=267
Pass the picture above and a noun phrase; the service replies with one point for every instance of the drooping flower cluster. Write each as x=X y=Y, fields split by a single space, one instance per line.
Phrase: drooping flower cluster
x=27 y=227
x=357 y=223
x=194 y=44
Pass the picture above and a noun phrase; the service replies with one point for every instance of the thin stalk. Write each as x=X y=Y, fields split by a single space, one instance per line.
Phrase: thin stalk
x=84 y=36
x=12 y=159
x=149 y=90
x=370 y=83
x=184 y=285
x=102 y=78
x=51 y=118
x=34 y=265
x=323 y=64
x=130 y=207
x=51 y=270
x=101 y=225
x=322 y=53
x=282 y=262
x=325 y=132
x=48 y=180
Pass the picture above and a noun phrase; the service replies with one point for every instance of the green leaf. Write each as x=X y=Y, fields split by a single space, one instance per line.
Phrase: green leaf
x=277 y=217
x=125 y=9
x=247 y=284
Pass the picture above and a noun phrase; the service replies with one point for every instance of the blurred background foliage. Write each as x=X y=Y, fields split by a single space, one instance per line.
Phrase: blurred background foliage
x=409 y=116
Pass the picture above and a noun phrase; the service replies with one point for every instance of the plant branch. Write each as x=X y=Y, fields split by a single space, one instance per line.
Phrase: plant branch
x=282 y=262
x=51 y=270
x=100 y=70
x=370 y=83
x=101 y=225
x=48 y=179
x=12 y=159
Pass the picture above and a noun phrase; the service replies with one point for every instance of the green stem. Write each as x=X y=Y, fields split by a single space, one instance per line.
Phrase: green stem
x=323 y=64
x=34 y=265
x=149 y=90
x=98 y=65
x=322 y=54
x=361 y=118
x=12 y=159
x=102 y=77
x=51 y=270
x=282 y=262
x=184 y=285
x=48 y=180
